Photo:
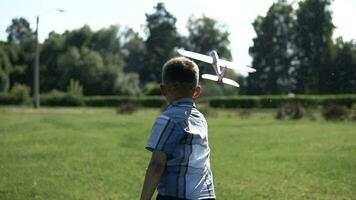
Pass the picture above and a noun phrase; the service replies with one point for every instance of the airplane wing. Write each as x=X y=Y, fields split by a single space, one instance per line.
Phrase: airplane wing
x=235 y=66
x=230 y=82
x=224 y=80
x=196 y=56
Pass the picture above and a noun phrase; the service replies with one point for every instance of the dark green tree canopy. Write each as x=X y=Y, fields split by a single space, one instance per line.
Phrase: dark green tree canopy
x=206 y=34
x=273 y=51
x=162 y=39
x=314 y=30
x=19 y=31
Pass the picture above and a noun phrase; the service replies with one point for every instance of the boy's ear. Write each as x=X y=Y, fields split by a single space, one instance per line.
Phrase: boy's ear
x=163 y=89
x=197 y=91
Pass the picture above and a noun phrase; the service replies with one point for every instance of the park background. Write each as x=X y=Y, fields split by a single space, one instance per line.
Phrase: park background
x=286 y=133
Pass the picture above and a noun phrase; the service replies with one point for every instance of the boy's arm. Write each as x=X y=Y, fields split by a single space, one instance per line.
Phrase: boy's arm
x=153 y=174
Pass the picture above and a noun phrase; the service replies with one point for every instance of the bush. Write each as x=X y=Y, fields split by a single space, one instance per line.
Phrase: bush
x=75 y=89
x=152 y=89
x=342 y=100
x=126 y=108
x=244 y=114
x=291 y=111
x=234 y=102
x=207 y=111
x=153 y=102
x=335 y=112
x=58 y=98
x=113 y=101
x=20 y=94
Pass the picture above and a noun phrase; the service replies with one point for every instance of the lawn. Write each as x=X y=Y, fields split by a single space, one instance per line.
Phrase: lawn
x=87 y=153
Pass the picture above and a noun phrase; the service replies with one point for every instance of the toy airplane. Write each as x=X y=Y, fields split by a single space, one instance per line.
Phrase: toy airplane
x=219 y=66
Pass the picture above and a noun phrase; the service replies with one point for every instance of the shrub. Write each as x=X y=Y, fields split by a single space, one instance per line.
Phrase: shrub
x=244 y=114
x=335 y=112
x=234 y=102
x=153 y=102
x=353 y=117
x=20 y=94
x=58 y=98
x=126 y=108
x=113 y=101
x=152 y=89
x=207 y=111
x=342 y=100
x=75 y=89
x=290 y=110
x=107 y=101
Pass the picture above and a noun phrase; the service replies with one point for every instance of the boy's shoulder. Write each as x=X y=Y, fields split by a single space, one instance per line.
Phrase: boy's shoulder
x=179 y=113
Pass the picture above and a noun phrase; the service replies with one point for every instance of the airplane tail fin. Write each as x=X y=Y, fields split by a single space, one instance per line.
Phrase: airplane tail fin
x=224 y=80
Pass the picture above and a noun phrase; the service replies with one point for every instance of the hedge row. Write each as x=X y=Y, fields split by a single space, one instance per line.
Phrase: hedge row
x=113 y=101
x=274 y=101
x=217 y=102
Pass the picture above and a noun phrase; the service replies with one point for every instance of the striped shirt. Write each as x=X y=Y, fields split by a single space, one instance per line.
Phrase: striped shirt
x=181 y=132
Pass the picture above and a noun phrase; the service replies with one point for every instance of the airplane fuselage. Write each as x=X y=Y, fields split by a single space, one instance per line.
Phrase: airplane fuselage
x=220 y=73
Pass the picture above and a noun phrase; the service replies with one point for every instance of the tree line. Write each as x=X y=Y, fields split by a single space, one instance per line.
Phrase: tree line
x=293 y=52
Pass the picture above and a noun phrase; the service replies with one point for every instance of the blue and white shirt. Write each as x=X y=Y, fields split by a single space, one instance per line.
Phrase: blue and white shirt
x=181 y=132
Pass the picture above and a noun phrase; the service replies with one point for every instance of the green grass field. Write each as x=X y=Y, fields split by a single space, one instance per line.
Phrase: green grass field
x=86 y=153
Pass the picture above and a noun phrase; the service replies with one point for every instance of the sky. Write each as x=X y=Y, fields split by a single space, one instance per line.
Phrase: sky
x=236 y=15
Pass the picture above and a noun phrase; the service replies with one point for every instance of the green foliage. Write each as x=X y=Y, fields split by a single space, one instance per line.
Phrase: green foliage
x=313 y=40
x=206 y=34
x=342 y=73
x=210 y=88
x=273 y=51
x=152 y=89
x=127 y=84
x=275 y=101
x=293 y=52
x=335 y=112
x=126 y=108
x=291 y=111
x=58 y=98
x=234 y=102
x=75 y=89
x=20 y=94
x=162 y=39
x=5 y=67
x=134 y=51
x=113 y=101
x=153 y=102
x=19 y=31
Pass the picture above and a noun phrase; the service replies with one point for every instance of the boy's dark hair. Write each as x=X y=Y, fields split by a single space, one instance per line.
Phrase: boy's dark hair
x=181 y=73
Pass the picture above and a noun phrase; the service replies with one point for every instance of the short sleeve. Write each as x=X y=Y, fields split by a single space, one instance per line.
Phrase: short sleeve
x=161 y=137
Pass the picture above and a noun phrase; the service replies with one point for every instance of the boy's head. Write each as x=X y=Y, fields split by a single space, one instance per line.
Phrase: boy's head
x=180 y=78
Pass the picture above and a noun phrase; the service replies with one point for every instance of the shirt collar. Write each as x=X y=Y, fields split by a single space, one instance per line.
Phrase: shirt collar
x=188 y=102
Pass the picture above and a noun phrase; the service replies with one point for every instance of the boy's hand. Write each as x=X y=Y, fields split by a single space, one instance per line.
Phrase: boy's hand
x=153 y=174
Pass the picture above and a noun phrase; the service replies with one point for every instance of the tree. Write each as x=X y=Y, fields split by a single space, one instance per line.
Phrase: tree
x=134 y=51
x=5 y=67
x=94 y=59
x=19 y=31
x=162 y=39
x=21 y=51
x=79 y=37
x=127 y=84
x=52 y=75
x=342 y=76
x=273 y=51
x=206 y=34
x=314 y=30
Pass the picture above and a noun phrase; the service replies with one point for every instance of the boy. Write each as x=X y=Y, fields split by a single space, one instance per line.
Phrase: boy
x=179 y=167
